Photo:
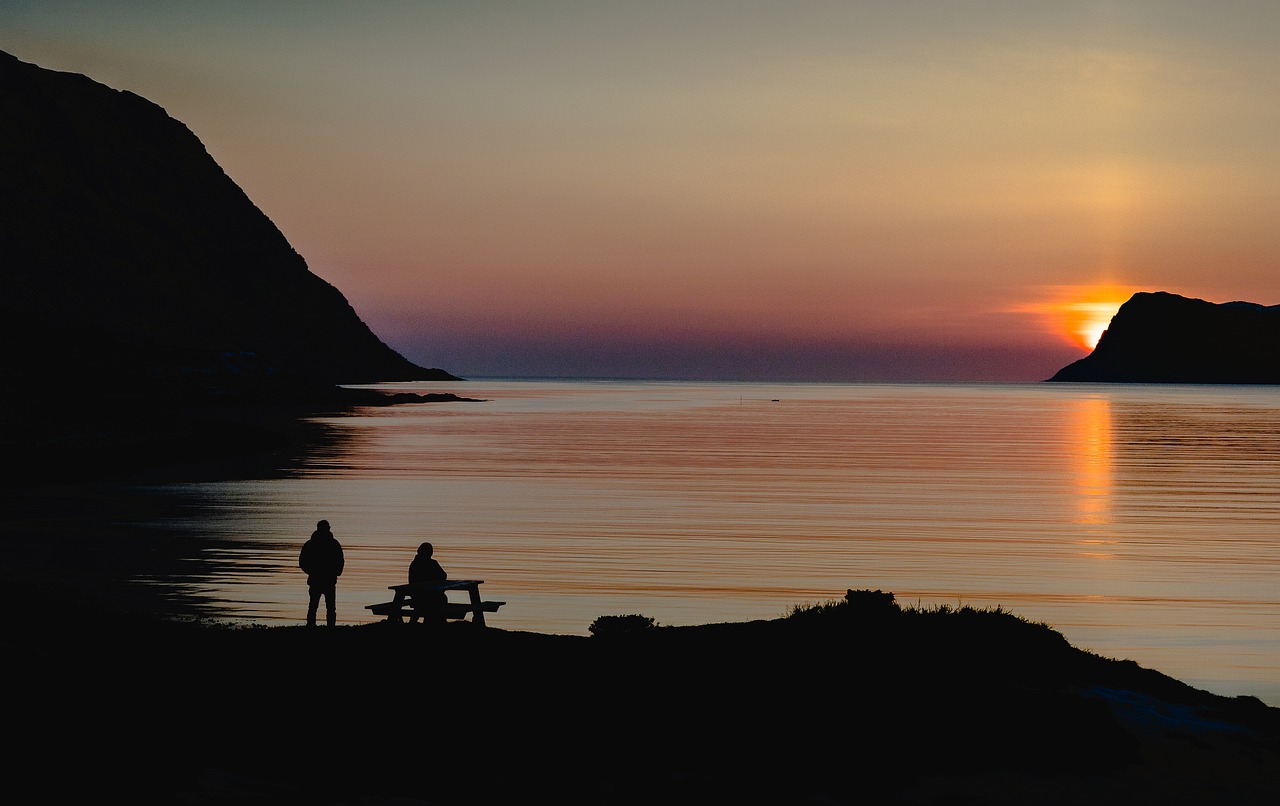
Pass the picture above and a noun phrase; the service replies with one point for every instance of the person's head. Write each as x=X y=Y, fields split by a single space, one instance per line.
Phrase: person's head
x=323 y=526
x=425 y=549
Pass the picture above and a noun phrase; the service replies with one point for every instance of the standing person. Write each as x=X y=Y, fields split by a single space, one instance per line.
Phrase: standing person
x=322 y=561
x=424 y=570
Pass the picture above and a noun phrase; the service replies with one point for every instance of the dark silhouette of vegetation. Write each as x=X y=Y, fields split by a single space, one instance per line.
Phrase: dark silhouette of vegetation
x=855 y=603
x=606 y=626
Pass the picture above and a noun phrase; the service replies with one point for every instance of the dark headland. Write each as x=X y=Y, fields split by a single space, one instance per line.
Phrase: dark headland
x=1165 y=338
x=150 y=311
x=155 y=317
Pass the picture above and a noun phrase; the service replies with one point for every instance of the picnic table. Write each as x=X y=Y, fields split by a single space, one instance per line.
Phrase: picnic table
x=422 y=600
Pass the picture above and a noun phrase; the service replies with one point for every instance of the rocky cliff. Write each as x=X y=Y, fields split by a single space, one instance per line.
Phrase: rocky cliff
x=1165 y=338
x=130 y=259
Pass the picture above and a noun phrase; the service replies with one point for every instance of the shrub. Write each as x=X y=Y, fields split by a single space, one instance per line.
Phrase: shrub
x=870 y=600
x=855 y=604
x=620 y=625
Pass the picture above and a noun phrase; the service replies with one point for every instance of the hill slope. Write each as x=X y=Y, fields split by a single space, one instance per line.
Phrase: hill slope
x=130 y=258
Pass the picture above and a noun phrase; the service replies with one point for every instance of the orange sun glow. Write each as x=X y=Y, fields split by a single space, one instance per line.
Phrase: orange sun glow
x=1080 y=314
x=1084 y=318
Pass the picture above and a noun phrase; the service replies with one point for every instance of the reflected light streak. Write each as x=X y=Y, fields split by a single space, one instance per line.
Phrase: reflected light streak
x=1091 y=461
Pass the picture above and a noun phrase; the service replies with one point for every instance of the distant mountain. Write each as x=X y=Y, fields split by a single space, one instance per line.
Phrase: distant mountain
x=129 y=259
x=1165 y=338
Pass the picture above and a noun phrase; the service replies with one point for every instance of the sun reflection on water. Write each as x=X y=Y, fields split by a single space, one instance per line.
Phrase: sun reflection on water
x=1090 y=429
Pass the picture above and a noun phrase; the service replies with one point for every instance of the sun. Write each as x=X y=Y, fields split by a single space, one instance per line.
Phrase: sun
x=1092 y=331
x=1086 y=321
x=1080 y=314
x=1086 y=314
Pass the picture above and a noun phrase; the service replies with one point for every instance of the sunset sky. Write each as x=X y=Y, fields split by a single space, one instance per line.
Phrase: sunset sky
x=809 y=189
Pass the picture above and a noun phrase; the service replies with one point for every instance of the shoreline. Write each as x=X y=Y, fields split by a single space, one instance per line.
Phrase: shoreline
x=848 y=702
x=235 y=435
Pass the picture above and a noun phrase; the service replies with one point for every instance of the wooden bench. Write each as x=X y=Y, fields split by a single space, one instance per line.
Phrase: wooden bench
x=406 y=605
x=451 y=610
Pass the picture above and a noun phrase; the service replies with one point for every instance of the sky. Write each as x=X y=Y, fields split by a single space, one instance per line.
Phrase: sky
x=803 y=190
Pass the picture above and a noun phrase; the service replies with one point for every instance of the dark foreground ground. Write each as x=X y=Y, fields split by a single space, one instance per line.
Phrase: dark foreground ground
x=858 y=702
x=849 y=703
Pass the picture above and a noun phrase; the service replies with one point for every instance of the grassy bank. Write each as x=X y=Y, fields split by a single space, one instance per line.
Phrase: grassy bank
x=856 y=700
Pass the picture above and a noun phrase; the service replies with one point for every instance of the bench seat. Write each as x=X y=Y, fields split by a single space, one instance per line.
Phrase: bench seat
x=452 y=610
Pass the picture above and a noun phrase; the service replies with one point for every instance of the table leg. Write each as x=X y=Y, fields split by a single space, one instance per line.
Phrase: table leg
x=477 y=609
x=399 y=601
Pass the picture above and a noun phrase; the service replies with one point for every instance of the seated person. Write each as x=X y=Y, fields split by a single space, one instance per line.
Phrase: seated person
x=424 y=570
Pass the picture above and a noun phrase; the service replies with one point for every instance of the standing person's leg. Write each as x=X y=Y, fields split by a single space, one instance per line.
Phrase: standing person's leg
x=313 y=603
x=330 y=608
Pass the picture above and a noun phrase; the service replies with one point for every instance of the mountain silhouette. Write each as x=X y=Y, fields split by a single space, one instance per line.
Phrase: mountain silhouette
x=132 y=261
x=1158 y=337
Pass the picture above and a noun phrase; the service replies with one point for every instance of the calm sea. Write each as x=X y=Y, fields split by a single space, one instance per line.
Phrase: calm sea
x=1143 y=522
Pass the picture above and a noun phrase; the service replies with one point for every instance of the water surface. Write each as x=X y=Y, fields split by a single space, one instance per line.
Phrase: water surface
x=1143 y=522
